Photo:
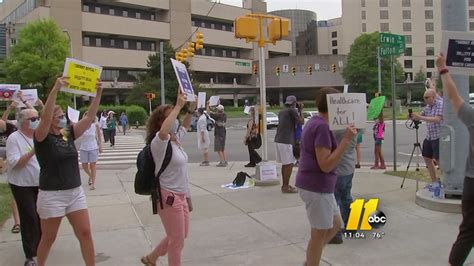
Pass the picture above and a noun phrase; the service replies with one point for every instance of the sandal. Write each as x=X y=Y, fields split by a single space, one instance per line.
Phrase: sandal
x=90 y=181
x=289 y=189
x=146 y=261
x=16 y=229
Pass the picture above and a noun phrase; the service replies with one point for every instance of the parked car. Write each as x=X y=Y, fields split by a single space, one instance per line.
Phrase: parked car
x=272 y=120
x=416 y=104
x=210 y=122
x=308 y=114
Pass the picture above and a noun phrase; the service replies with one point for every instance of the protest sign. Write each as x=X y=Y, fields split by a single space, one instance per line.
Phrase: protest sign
x=247 y=109
x=73 y=114
x=8 y=90
x=346 y=109
x=214 y=100
x=29 y=95
x=83 y=77
x=458 y=48
x=183 y=80
x=201 y=100
x=375 y=107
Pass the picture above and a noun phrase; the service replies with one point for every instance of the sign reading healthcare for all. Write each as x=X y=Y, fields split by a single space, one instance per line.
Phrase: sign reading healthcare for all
x=183 y=80
x=82 y=77
x=459 y=51
x=347 y=109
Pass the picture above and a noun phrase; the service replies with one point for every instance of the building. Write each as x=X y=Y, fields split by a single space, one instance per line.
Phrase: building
x=120 y=35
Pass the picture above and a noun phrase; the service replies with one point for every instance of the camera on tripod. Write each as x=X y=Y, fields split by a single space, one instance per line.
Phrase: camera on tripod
x=414 y=123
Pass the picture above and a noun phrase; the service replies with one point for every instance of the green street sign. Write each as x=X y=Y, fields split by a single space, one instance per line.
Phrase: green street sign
x=391 y=44
x=239 y=63
x=387 y=51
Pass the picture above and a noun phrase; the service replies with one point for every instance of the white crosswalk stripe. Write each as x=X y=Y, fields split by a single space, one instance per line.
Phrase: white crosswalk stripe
x=125 y=151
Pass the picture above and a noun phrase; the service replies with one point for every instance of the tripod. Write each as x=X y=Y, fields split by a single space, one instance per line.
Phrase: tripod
x=417 y=147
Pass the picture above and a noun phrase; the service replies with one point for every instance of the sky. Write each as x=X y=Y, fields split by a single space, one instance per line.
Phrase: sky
x=325 y=9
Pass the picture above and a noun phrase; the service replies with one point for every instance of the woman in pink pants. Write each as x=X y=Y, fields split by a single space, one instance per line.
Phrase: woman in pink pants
x=163 y=127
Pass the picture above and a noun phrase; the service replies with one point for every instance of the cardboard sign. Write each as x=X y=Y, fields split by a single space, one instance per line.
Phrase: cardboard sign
x=30 y=96
x=214 y=100
x=8 y=90
x=201 y=100
x=82 y=77
x=375 y=107
x=459 y=50
x=183 y=79
x=267 y=171
x=73 y=114
x=346 y=109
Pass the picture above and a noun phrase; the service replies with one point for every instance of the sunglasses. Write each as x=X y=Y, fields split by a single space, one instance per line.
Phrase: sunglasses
x=33 y=119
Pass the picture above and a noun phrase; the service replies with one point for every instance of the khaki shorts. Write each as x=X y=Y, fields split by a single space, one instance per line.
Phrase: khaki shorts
x=321 y=209
x=59 y=203
x=285 y=154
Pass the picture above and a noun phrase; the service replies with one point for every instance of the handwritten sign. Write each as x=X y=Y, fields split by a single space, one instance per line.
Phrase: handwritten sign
x=82 y=77
x=459 y=50
x=183 y=80
x=375 y=107
x=346 y=109
x=29 y=95
x=8 y=90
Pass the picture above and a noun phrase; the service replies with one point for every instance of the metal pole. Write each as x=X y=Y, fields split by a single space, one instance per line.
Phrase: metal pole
x=379 y=65
x=149 y=104
x=394 y=119
x=162 y=74
x=263 y=102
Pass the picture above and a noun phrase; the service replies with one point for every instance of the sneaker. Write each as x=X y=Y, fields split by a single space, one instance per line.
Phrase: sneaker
x=358 y=166
x=204 y=163
x=30 y=262
x=432 y=186
x=249 y=165
x=226 y=164
x=337 y=239
x=221 y=164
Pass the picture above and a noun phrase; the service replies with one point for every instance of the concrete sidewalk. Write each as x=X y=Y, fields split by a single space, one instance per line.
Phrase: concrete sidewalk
x=255 y=226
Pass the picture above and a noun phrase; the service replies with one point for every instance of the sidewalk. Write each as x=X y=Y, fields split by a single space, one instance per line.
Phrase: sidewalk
x=255 y=226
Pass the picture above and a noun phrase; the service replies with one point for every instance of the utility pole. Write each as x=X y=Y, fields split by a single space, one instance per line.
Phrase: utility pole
x=162 y=74
x=379 y=66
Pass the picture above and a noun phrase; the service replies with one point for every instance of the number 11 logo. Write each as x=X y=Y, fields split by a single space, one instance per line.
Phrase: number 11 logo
x=371 y=218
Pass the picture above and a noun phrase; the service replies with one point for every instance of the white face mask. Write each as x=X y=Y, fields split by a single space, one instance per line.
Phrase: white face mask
x=62 y=122
x=34 y=124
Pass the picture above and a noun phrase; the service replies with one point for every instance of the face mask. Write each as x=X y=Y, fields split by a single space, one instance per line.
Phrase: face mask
x=34 y=125
x=62 y=122
x=174 y=129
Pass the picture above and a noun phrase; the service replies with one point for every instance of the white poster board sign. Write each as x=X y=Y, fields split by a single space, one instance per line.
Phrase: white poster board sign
x=29 y=95
x=247 y=109
x=183 y=80
x=214 y=100
x=458 y=47
x=267 y=171
x=346 y=109
x=201 y=100
x=73 y=114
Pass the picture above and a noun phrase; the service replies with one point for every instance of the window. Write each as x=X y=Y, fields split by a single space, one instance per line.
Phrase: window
x=428 y=3
x=138 y=15
x=234 y=54
x=408 y=76
x=139 y=45
x=471 y=13
x=87 y=41
x=97 y=9
x=408 y=63
x=125 y=44
x=408 y=39
x=429 y=38
x=429 y=26
x=98 y=42
x=406 y=3
x=213 y=52
x=430 y=63
x=334 y=34
x=112 y=43
x=408 y=51
x=362 y=3
x=85 y=8
x=334 y=43
x=152 y=17
x=334 y=51
x=384 y=27
x=428 y=14
x=383 y=3
x=430 y=51
x=125 y=13
x=383 y=14
x=224 y=53
x=471 y=2
x=363 y=14
x=406 y=26
x=471 y=26
x=111 y=11
x=429 y=74
x=153 y=46
x=364 y=27
x=406 y=14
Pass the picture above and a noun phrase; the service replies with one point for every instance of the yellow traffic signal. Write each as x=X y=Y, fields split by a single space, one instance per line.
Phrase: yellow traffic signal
x=277 y=70
x=278 y=29
x=191 y=49
x=255 y=69
x=333 y=68
x=310 y=69
x=199 y=41
x=246 y=27
x=293 y=71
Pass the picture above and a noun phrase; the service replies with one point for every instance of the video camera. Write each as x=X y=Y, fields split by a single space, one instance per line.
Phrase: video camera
x=414 y=123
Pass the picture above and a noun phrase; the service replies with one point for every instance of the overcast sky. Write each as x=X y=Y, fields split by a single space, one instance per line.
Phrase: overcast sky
x=325 y=9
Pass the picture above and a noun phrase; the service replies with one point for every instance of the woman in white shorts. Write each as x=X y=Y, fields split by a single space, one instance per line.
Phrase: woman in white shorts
x=61 y=193
x=91 y=146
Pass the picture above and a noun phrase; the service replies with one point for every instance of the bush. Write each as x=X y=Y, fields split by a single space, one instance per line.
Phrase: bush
x=133 y=112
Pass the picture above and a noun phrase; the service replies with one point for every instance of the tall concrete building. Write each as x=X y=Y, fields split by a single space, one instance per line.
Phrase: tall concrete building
x=418 y=20
x=120 y=35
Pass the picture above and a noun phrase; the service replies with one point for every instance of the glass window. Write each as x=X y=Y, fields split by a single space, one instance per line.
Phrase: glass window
x=334 y=51
x=334 y=43
x=362 y=3
x=408 y=39
x=429 y=26
x=334 y=34
x=430 y=51
x=384 y=14
x=406 y=26
x=430 y=63
x=234 y=54
x=112 y=43
x=428 y=14
x=471 y=2
x=408 y=51
x=224 y=53
x=406 y=3
x=87 y=41
x=363 y=14
x=408 y=63
x=153 y=46
x=364 y=27
x=125 y=44
x=111 y=11
x=429 y=38
x=471 y=13
x=384 y=27
x=139 y=45
x=213 y=52
x=383 y=3
x=152 y=17
x=138 y=15
x=98 y=42
x=429 y=74
x=406 y=14
x=471 y=26
x=85 y=8
x=428 y=3
x=97 y=9
x=125 y=13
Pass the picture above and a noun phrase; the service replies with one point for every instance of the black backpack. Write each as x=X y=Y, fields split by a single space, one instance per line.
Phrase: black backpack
x=240 y=179
x=146 y=183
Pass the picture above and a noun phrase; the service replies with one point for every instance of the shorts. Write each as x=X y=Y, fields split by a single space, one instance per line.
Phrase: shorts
x=430 y=149
x=321 y=208
x=378 y=142
x=89 y=156
x=59 y=203
x=285 y=154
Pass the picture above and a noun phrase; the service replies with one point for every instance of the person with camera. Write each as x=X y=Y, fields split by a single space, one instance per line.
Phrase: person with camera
x=465 y=240
x=433 y=116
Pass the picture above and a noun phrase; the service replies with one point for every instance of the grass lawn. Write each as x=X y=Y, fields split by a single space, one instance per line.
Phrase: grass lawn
x=5 y=198
x=421 y=175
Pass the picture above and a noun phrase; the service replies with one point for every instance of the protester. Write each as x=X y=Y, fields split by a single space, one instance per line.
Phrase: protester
x=91 y=146
x=174 y=181
x=219 y=133
x=103 y=126
x=298 y=132
x=251 y=137
x=378 y=132
x=61 y=193
x=360 y=135
x=288 y=119
x=16 y=218
x=23 y=177
x=465 y=240
x=203 y=136
x=111 y=127
x=433 y=116
x=123 y=122
x=316 y=177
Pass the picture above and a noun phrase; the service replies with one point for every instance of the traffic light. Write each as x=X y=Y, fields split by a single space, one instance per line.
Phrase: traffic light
x=255 y=69
x=310 y=69
x=277 y=71
x=293 y=71
x=150 y=95
x=178 y=56
x=333 y=68
x=199 y=41
x=246 y=28
x=278 y=29
x=191 y=49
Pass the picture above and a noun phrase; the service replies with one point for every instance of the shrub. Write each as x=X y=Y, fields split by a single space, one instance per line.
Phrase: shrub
x=133 y=112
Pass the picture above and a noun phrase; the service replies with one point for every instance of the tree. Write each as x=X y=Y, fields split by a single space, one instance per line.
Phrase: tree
x=420 y=76
x=2 y=70
x=361 y=72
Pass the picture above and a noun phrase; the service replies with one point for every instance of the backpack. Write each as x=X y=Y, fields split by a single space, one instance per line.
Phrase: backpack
x=240 y=179
x=146 y=183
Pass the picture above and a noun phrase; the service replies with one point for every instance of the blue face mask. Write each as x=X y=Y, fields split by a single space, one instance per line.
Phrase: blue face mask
x=34 y=124
x=62 y=122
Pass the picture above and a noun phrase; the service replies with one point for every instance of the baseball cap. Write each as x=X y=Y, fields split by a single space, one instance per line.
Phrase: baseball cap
x=290 y=99
x=220 y=107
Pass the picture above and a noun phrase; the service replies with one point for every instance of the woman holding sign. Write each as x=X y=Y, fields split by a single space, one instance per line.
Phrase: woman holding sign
x=61 y=193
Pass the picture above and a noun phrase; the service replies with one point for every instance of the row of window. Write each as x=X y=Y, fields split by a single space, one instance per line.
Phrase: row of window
x=218 y=52
x=406 y=3
x=385 y=27
x=121 y=75
x=430 y=63
x=430 y=51
x=118 y=11
x=101 y=41
x=406 y=14
x=212 y=24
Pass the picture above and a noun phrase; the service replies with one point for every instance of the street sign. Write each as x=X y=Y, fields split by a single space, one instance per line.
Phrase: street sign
x=391 y=44
x=387 y=51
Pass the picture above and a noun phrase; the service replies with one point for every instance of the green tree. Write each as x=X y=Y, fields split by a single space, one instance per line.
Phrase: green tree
x=2 y=70
x=361 y=72
x=38 y=57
